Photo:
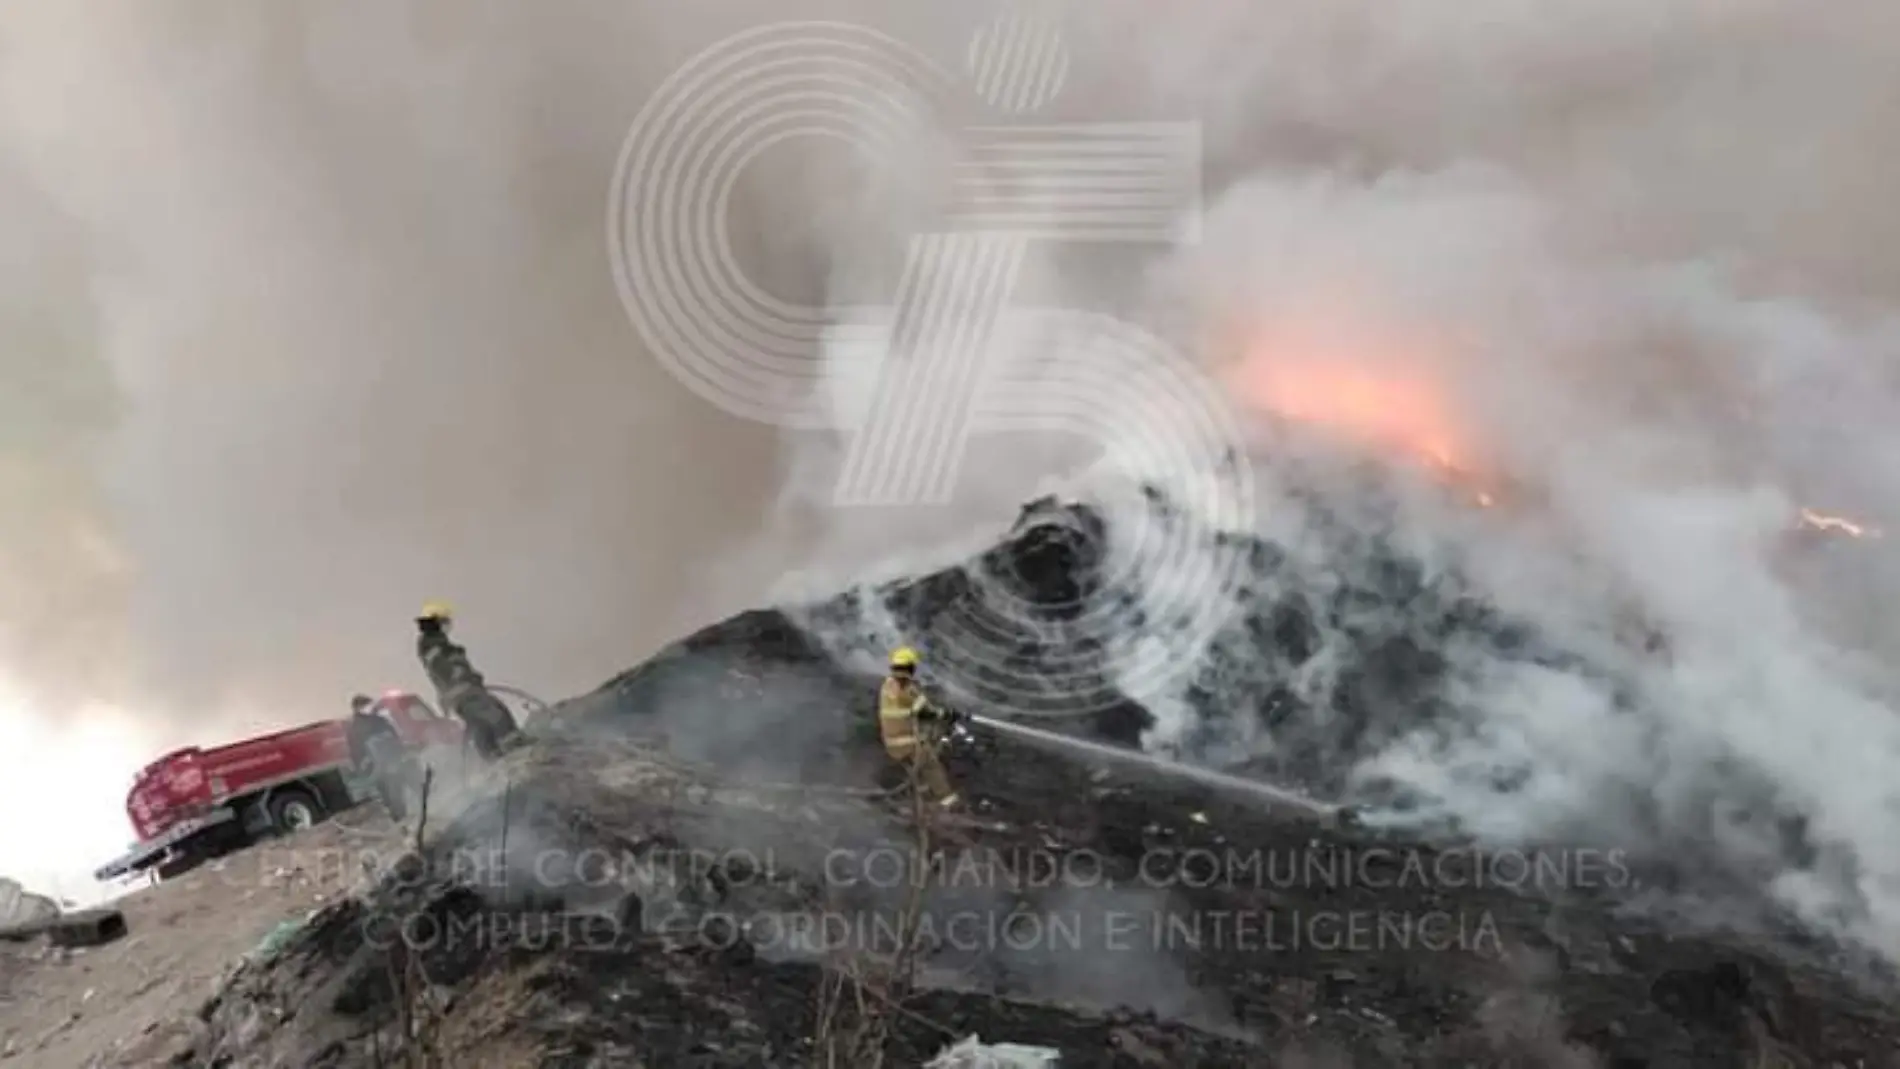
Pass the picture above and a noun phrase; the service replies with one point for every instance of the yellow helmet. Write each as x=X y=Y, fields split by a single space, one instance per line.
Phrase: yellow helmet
x=903 y=657
x=437 y=610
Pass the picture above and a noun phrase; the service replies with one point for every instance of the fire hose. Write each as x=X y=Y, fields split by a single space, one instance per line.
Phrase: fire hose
x=1253 y=791
x=530 y=706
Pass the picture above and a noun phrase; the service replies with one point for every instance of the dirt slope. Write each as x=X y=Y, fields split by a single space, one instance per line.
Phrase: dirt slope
x=133 y=1002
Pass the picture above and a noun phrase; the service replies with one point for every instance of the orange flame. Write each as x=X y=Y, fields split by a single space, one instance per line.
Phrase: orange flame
x=1355 y=391
x=1369 y=391
x=1820 y=521
x=1381 y=411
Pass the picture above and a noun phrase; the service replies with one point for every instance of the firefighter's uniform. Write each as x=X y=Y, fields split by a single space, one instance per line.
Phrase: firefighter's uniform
x=907 y=721
x=491 y=727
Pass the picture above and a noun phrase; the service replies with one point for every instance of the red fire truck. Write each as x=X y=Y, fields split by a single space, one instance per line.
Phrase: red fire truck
x=193 y=804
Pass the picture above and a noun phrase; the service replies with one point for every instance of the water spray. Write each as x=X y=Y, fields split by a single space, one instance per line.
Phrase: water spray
x=1252 y=791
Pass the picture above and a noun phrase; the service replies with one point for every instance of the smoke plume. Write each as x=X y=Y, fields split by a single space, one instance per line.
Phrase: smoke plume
x=1616 y=277
x=310 y=319
x=1621 y=267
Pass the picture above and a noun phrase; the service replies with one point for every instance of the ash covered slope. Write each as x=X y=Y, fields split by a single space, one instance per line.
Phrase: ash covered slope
x=642 y=961
x=803 y=677
x=1333 y=656
x=1177 y=929
x=1047 y=571
x=1039 y=594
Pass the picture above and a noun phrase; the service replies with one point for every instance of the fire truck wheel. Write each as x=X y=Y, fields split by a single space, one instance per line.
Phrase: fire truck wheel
x=293 y=809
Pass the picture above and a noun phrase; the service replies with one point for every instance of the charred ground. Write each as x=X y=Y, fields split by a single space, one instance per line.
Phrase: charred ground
x=1239 y=937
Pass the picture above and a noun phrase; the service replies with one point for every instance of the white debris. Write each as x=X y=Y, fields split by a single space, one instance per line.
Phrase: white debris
x=972 y=1053
x=18 y=906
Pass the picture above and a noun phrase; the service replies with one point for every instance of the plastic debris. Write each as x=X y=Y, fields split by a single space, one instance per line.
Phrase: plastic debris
x=973 y=1053
x=277 y=939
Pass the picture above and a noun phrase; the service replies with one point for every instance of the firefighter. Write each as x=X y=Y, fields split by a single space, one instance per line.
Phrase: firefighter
x=491 y=727
x=909 y=723
x=377 y=751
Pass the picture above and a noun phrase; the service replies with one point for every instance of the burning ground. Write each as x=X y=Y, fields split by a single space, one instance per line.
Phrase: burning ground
x=650 y=888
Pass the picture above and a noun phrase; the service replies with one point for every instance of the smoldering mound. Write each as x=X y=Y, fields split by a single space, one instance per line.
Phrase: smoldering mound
x=1333 y=661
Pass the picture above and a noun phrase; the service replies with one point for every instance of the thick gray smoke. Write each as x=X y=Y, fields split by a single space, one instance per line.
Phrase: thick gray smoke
x=310 y=318
x=348 y=279
x=1625 y=271
x=1627 y=263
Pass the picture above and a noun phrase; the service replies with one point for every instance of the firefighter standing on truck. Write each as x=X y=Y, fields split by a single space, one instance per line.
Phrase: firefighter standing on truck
x=908 y=722
x=491 y=727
